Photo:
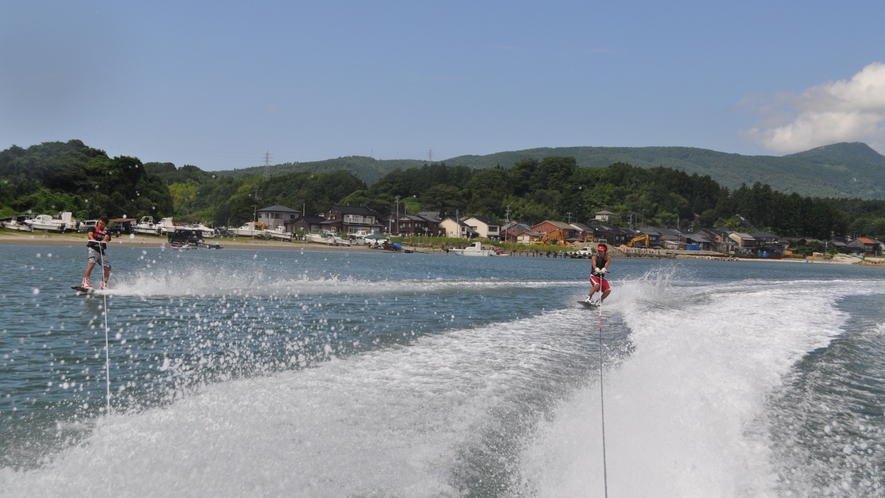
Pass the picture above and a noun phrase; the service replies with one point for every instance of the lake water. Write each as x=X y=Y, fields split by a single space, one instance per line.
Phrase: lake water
x=329 y=374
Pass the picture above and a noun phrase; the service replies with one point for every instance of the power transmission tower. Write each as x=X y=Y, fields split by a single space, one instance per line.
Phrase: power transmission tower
x=430 y=155
x=267 y=165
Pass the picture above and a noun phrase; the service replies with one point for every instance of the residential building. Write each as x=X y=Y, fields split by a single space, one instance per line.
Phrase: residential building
x=744 y=241
x=350 y=220
x=423 y=223
x=863 y=245
x=840 y=244
x=671 y=239
x=769 y=242
x=613 y=236
x=585 y=232
x=603 y=216
x=450 y=227
x=415 y=224
x=308 y=224
x=698 y=241
x=276 y=216
x=550 y=226
x=719 y=239
x=485 y=227
x=654 y=236
x=519 y=232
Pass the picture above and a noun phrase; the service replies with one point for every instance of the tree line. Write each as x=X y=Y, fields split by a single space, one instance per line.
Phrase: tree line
x=557 y=188
x=70 y=176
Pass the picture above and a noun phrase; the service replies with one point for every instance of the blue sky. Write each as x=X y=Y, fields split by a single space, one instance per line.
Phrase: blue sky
x=218 y=84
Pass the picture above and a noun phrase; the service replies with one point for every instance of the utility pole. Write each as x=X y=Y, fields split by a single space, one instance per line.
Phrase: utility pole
x=507 y=222
x=397 y=215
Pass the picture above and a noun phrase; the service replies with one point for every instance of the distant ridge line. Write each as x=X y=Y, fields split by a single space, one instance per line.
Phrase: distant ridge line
x=842 y=170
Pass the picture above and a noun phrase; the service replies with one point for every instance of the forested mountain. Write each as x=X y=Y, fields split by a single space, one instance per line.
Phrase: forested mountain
x=839 y=170
x=844 y=170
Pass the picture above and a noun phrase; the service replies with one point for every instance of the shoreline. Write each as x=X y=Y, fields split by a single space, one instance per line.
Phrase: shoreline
x=51 y=239
x=44 y=239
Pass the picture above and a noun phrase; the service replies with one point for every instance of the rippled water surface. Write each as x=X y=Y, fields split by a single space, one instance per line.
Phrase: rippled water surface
x=300 y=373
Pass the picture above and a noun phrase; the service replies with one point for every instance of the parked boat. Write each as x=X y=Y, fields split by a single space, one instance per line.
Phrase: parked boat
x=146 y=226
x=60 y=223
x=278 y=233
x=327 y=238
x=474 y=249
x=165 y=226
x=15 y=225
x=206 y=232
x=250 y=229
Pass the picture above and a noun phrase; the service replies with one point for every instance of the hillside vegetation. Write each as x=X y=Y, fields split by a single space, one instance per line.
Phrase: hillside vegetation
x=845 y=170
x=533 y=190
x=367 y=169
x=71 y=176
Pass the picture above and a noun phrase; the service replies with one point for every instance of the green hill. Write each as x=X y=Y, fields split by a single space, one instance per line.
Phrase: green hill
x=852 y=170
x=366 y=169
x=839 y=170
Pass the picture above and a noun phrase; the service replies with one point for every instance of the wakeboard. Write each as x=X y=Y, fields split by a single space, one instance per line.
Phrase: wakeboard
x=594 y=305
x=83 y=290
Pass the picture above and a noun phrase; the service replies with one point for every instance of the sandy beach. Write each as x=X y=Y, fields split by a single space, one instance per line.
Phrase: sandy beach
x=57 y=239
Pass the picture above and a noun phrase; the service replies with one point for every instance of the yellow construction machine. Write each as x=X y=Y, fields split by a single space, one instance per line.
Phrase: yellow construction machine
x=556 y=237
x=638 y=238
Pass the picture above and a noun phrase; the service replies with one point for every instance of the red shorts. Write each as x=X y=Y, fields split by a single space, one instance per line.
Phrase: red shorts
x=595 y=280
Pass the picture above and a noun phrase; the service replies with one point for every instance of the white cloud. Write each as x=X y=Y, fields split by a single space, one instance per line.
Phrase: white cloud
x=841 y=111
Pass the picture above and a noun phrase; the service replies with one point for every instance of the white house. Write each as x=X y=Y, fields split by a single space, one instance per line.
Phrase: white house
x=743 y=240
x=451 y=227
x=485 y=227
x=603 y=215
